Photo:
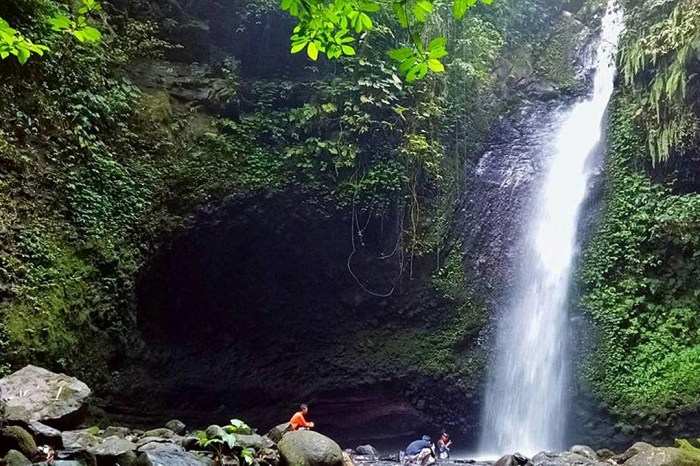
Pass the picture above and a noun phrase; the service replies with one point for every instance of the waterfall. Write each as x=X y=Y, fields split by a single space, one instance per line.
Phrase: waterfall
x=526 y=402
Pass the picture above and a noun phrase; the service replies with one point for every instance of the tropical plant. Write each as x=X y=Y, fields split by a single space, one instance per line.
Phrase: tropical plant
x=333 y=27
x=12 y=42
x=655 y=59
x=223 y=440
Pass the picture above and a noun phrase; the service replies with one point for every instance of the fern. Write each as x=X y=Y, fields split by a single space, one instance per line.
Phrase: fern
x=654 y=61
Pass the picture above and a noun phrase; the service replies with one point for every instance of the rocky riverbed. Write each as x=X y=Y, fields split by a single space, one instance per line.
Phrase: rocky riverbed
x=43 y=423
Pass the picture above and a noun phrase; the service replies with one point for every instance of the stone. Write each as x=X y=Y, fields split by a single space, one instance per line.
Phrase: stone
x=161 y=432
x=46 y=435
x=564 y=458
x=586 y=451
x=366 y=450
x=171 y=458
x=36 y=394
x=214 y=431
x=278 y=431
x=605 y=453
x=151 y=446
x=16 y=438
x=80 y=439
x=112 y=446
x=663 y=456
x=79 y=455
x=189 y=443
x=255 y=441
x=515 y=459
x=15 y=458
x=269 y=457
x=177 y=426
x=309 y=448
x=112 y=431
x=631 y=451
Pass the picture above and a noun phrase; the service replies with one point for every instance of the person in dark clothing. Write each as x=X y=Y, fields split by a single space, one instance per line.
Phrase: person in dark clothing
x=443 y=446
x=420 y=452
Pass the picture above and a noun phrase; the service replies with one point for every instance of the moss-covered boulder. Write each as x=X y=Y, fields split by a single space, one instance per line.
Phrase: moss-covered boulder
x=308 y=448
x=664 y=456
x=16 y=438
x=15 y=458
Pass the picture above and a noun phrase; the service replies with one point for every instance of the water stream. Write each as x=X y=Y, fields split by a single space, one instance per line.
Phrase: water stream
x=526 y=402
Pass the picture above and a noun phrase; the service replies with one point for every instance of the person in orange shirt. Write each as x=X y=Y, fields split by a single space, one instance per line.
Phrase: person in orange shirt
x=298 y=421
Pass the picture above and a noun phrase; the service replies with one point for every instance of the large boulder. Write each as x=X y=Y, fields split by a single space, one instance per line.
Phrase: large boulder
x=36 y=394
x=663 y=456
x=171 y=458
x=309 y=448
x=631 y=451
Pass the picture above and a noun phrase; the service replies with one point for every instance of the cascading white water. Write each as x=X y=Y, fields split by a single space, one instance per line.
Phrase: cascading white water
x=526 y=406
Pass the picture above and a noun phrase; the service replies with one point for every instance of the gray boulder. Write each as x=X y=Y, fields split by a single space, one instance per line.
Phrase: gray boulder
x=152 y=446
x=663 y=456
x=177 y=426
x=269 y=457
x=79 y=455
x=631 y=451
x=171 y=458
x=15 y=458
x=564 y=458
x=586 y=451
x=150 y=443
x=255 y=441
x=112 y=446
x=278 y=431
x=309 y=448
x=516 y=459
x=112 y=431
x=46 y=435
x=366 y=450
x=84 y=439
x=161 y=432
x=35 y=394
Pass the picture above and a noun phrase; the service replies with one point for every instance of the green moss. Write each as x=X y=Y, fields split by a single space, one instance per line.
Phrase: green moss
x=16 y=438
x=555 y=57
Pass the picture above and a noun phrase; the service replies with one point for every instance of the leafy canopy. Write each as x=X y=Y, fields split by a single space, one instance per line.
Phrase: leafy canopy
x=333 y=27
x=76 y=24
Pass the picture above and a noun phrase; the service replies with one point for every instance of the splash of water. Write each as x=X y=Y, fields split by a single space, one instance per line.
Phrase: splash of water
x=526 y=404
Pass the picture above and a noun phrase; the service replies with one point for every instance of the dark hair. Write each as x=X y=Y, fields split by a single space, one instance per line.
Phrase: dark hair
x=445 y=434
x=426 y=438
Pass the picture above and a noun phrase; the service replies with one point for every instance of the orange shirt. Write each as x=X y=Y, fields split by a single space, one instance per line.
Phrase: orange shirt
x=299 y=421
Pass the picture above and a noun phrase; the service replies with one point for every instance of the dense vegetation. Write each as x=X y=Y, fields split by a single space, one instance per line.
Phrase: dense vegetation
x=642 y=268
x=98 y=169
